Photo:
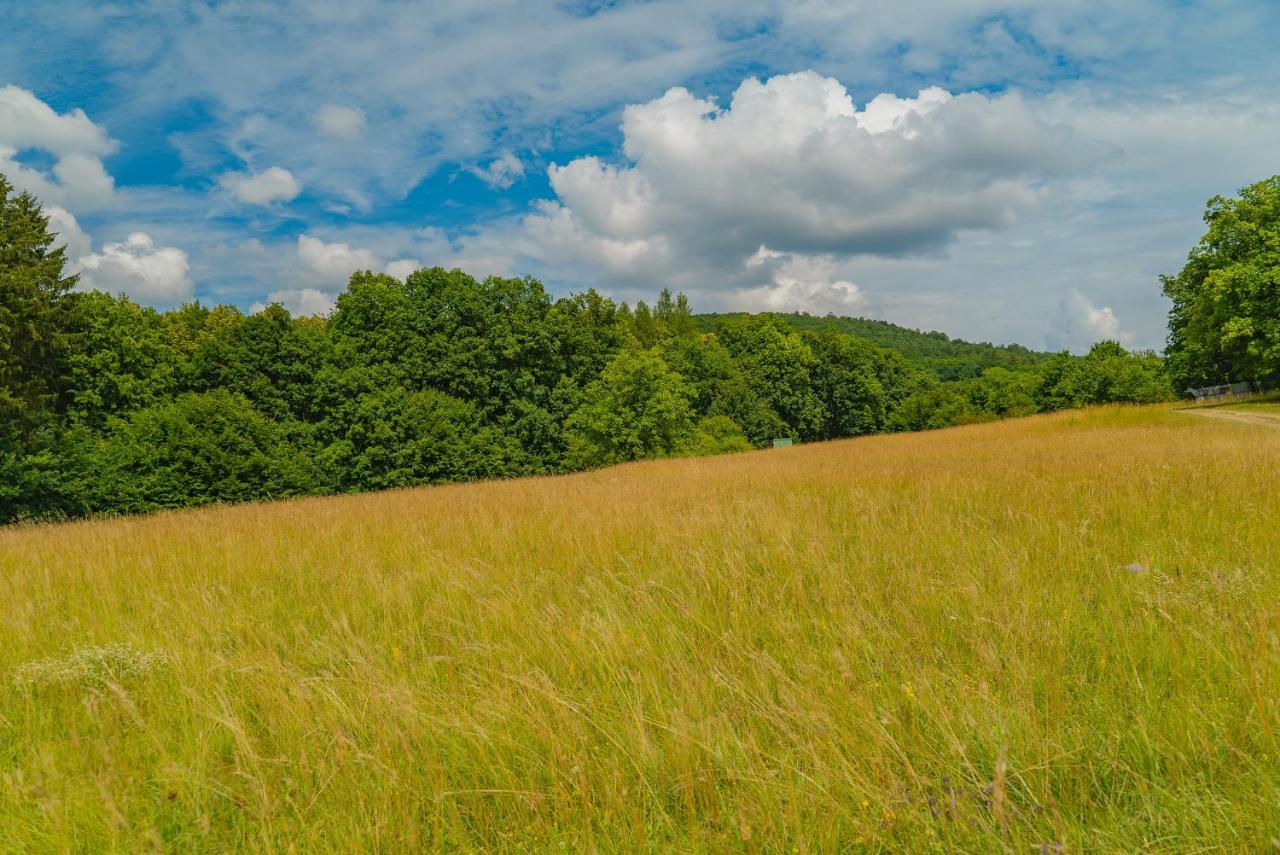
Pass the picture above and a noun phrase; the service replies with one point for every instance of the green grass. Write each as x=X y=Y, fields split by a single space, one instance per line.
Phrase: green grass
x=1269 y=407
x=1062 y=630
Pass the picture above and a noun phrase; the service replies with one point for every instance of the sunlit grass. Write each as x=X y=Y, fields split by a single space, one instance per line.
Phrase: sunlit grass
x=1053 y=631
x=1260 y=406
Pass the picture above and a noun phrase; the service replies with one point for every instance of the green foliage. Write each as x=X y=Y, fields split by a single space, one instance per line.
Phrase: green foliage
x=638 y=408
x=1108 y=373
x=396 y=438
x=1004 y=393
x=50 y=480
x=716 y=435
x=1224 y=324
x=124 y=360
x=935 y=406
x=588 y=329
x=500 y=344
x=673 y=315
x=268 y=357
x=779 y=364
x=946 y=358
x=720 y=388
x=645 y=330
x=198 y=448
x=858 y=383
x=35 y=319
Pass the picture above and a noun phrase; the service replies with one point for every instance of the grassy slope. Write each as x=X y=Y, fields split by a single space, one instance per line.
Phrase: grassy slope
x=897 y=641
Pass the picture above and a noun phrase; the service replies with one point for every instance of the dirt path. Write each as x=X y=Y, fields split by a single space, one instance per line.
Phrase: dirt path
x=1269 y=419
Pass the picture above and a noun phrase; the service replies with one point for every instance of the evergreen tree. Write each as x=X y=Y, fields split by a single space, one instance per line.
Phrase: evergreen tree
x=35 y=317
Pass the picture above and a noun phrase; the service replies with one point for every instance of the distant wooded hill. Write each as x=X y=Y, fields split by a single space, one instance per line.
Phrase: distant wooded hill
x=948 y=358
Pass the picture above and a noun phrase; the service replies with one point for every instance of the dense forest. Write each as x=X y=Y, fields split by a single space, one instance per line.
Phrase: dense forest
x=107 y=406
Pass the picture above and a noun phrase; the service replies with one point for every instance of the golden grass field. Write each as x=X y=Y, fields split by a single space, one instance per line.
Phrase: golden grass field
x=1054 y=634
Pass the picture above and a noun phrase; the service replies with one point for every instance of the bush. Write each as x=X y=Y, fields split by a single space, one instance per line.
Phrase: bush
x=716 y=435
x=199 y=448
x=930 y=408
x=395 y=438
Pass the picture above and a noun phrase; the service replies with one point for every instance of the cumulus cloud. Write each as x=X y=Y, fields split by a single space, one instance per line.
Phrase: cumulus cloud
x=300 y=301
x=334 y=262
x=155 y=275
x=152 y=275
x=63 y=223
x=340 y=121
x=274 y=184
x=791 y=164
x=765 y=196
x=330 y=265
x=28 y=122
x=469 y=79
x=403 y=267
x=324 y=269
x=77 y=177
x=800 y=284
x=1081 y=324
x=502 y=171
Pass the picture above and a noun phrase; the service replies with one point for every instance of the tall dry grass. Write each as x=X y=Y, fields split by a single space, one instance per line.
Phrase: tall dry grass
x=1051 y=632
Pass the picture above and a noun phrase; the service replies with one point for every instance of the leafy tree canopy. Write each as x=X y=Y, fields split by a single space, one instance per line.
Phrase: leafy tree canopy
x=1224 y=324
x=638 y=408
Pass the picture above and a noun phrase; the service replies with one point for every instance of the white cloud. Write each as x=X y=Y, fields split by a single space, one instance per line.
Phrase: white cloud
x=340 y=121
x=403 y=267
x=325 y=268
x=469 y=80
x=334 y=263
x=760 y=203
x=800 y=284
x=77 y=178
x=888 y=112
x=300 y=301
x=274 y=184
x=153 y=275
x=502 y=171
x=1080 y=324
x=791 y=164
x=26 y=122
x=63 y=223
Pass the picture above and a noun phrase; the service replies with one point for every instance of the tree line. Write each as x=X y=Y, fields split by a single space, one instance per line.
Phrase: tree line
x=107 y=406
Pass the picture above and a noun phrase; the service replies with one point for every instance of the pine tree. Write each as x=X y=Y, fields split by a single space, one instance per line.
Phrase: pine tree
x=34 y=316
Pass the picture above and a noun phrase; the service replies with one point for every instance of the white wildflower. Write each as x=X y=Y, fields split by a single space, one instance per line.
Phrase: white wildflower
x=114 y=663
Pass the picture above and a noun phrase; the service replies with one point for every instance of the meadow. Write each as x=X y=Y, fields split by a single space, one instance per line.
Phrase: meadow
x=1051 y=634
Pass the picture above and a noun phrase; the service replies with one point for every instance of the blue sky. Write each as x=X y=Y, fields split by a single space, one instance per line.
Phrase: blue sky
x=1011 y=171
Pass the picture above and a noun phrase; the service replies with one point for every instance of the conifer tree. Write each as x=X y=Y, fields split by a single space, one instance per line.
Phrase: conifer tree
x=34 y=316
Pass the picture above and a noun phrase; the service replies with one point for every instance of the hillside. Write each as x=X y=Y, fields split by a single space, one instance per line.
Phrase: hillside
x=948 y=358
x=1013 y=636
